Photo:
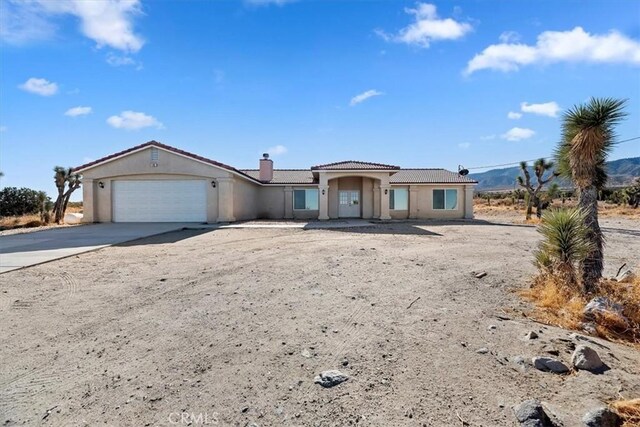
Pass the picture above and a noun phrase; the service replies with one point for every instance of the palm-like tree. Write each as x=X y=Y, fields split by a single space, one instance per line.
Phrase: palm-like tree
x=62 y=177
x=540 y=167
x=565 y=243
x=588 y=136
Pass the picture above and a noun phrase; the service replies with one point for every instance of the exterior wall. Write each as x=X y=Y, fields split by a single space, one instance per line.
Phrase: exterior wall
x=424 y=195
x=399 y=214
x=304 y=214
x=272 y=203
x=246 y=200
x=97 y=205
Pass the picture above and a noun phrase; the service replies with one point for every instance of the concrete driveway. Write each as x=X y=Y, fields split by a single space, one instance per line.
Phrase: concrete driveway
x=27 y=249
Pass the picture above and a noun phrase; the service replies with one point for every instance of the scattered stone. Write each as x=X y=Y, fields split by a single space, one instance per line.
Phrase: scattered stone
x=492 y=327
x=245 y=410
x=601 y=417
x=586 y=358
x=520 y=363
x=547 y=364
x=588 y=328
x=306 y=353
x=532 y=335
x=481 y=275
x=330 y=378
x=626 y=276
x=345 y=362
x=530 y=413
x=483 y=350
x=603 y=306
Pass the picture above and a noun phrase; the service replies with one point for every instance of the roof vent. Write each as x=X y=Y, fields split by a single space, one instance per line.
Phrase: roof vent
x=462 y=171
x=265 y=155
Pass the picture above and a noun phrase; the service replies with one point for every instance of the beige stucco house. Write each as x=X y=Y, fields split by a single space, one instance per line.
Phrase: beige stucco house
x=154 y=182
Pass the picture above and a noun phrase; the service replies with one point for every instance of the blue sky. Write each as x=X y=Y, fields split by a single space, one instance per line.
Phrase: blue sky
x=432 y=84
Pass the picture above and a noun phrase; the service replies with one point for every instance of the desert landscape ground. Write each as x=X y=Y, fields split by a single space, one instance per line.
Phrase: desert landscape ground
x=230 y=327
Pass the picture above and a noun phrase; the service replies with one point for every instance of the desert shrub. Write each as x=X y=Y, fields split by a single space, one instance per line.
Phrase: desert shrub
x=628 y=410
x=19 y=201
x=564 y=243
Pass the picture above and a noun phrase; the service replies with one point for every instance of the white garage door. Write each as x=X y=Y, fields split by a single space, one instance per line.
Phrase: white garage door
x=160 y=201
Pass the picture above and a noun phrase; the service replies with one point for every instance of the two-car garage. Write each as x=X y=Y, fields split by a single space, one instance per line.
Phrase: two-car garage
x=159 y=200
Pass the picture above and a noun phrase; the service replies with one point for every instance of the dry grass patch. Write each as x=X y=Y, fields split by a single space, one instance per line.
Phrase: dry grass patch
x=628 y=410
x=24 y=221
x=562 y=305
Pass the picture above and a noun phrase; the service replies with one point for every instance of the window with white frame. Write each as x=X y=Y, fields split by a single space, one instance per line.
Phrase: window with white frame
x=399 y=199
x=445 y=199
x=305 y=199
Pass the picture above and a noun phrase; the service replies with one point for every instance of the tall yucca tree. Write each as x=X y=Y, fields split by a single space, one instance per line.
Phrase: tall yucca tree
x=588 y=136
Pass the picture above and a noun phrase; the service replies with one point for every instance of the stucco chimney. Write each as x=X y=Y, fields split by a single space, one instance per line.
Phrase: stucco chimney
x=266 y=168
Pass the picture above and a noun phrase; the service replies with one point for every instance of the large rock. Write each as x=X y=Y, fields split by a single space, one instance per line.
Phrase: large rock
x=602 y=306
x=73 y=218
x=601 y=417
x=626 y=276
x=548 y=364
x=530 y=413
x=330 y=378
x=584 y=357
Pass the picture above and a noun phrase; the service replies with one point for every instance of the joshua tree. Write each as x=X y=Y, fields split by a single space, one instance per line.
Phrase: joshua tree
x=587 y=138
x=540 y=167
x=64 y=177
x=564 y=243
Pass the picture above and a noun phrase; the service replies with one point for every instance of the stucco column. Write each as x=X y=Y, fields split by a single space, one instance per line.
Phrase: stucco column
x=288 y=202
x=225 y=200
x=323 y=215
x=88 y=204
x=468 y=201
x=376 y=199
x=384 y=202
x=413 y=202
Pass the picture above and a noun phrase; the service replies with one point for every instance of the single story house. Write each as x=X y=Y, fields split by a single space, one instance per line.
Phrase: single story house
x=154 y=182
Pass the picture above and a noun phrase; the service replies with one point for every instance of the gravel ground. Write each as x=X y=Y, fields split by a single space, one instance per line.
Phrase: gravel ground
x=231 y=326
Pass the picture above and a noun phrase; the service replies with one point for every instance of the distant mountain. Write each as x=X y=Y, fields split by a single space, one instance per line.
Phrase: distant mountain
x=621 y=172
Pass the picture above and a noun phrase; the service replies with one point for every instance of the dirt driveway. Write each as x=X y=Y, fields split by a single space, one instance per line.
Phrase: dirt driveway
x=230 y=326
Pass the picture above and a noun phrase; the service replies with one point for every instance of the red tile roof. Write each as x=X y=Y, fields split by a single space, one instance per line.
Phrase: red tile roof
x=354 y=165
x=164 y=147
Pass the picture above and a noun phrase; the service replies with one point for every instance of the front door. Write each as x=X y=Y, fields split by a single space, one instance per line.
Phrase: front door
x=349 y=204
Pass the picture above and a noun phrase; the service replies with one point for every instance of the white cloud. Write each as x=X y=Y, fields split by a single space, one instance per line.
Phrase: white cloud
x=549 y=109
x=364 y=96
x=133 y=120
x=41 y=87
x=509 y=37
x=427 y=27
x=558 y=46
x=513 y=115
x=78 y=111
x=107 y=22
x=464 y=145
x=123 y=60
x=277 y=150
x=517 y=134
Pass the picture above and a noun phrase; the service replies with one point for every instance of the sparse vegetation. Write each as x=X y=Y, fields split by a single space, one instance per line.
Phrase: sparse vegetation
x=588 y=136
x=66 y=183
x=628 y=411
x=540 y=167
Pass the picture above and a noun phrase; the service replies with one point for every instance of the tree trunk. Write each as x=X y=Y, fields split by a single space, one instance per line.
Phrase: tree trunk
x=592 y=266
x=529 y=202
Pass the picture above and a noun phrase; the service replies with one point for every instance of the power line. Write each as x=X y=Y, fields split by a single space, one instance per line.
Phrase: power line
x=533 y=160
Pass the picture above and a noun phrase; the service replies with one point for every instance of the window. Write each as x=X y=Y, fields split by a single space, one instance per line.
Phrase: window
x=305 y=199
x=399 y=199
x=445 y=199
x=154 y=154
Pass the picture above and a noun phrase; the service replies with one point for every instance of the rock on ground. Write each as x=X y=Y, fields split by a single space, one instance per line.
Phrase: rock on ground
x=584 y=357
x=601 y=417
x=330 y=378
x=530 y=413
x=548 y=364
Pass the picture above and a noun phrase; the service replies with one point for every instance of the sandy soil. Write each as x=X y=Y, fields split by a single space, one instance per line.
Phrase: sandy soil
x=231 y=326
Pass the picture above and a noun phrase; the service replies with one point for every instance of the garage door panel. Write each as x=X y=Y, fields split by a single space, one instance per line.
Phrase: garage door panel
x=160 y=201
